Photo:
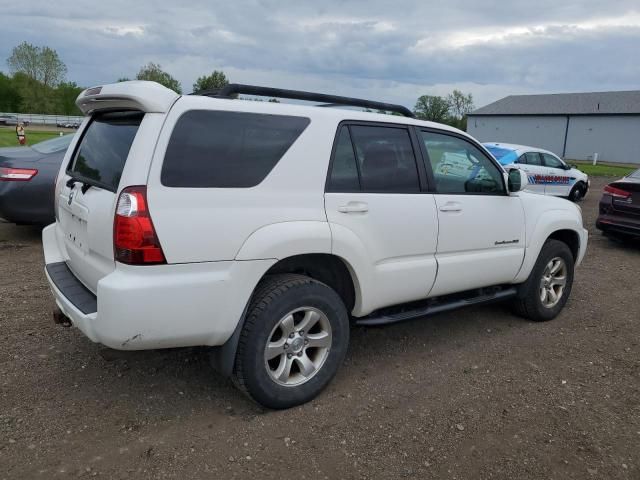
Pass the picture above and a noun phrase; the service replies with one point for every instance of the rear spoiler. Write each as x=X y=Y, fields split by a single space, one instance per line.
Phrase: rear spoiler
x=149 y=97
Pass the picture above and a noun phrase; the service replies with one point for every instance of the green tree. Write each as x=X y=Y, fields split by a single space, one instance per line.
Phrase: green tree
x=153 y=71
x=432 y=108
x=10 y=98
x=123 y=79
x=214 y=81
x=66 y=94
x=41 y=64
x=36 y=96
x=460 y=105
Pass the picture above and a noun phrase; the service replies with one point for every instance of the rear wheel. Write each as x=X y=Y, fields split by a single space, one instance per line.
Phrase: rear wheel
x=293 y=341
x=548 y=287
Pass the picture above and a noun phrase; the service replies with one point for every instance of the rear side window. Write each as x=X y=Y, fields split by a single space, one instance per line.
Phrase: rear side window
x=373 y=159
x=215 y=149
x=344 y=172
x=386 y=159
x=104 y=148
x=531 y=158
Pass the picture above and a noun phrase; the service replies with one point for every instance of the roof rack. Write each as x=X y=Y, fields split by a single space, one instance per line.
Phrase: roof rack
x=329 y=100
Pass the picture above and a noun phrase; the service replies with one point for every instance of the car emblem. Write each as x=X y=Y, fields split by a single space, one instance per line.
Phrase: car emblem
x=70 y=197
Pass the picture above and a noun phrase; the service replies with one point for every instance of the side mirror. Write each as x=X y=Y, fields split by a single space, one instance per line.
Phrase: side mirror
x=517 y=180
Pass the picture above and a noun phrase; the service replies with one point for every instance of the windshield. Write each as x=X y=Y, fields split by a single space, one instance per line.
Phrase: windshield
x=53 y=145
x=504 y=155
x=635 y=174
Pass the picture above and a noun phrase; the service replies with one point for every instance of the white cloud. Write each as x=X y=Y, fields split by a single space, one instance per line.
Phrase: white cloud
x=122 y=30
x=392 y=51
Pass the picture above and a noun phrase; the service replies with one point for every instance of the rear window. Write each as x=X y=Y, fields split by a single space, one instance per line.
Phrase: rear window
x=54 y=145
x=218 y=149
x=104 y=148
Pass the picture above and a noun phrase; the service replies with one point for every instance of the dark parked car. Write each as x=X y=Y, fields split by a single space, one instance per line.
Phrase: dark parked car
x=27 y=176
x=620 y=207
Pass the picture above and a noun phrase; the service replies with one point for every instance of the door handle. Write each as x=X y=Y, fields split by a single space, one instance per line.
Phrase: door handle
x=451 y=207
x=354 y=207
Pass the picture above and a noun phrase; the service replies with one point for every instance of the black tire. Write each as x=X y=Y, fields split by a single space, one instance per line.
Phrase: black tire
x=529 y=303
x=274 y=297
x=577 y=192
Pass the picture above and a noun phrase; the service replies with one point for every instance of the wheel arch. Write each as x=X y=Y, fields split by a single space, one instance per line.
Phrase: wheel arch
x=570 y=238
x=329 y=269
x=559 y=225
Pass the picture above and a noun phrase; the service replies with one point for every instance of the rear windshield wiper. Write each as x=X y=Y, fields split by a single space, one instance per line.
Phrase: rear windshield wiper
x=85 y=185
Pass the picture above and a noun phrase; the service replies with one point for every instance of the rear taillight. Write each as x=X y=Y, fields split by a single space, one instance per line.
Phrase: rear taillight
x=134 y=239
x=8 y=174
x=616 y=192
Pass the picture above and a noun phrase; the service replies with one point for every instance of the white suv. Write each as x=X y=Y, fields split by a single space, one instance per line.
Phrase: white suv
x=266 y=229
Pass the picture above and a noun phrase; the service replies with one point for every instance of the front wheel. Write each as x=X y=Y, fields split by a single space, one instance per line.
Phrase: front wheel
x=548 y=287
x=293 y=341
x=578 y=192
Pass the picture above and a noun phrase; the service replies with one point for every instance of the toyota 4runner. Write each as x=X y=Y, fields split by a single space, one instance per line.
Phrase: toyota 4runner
x=265 y=230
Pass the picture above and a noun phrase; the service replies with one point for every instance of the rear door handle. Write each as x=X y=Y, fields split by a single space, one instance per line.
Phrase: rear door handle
x=451 y=207
x=354 y=207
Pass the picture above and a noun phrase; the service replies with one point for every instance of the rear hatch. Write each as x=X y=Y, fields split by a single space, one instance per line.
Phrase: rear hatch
x=114 y=150
x=88 y=193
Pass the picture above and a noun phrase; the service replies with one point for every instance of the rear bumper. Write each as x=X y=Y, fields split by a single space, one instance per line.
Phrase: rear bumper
x=161 y=306
x=618 y=224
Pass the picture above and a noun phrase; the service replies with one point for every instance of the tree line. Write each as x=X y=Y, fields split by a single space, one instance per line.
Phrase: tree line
x=37 y=84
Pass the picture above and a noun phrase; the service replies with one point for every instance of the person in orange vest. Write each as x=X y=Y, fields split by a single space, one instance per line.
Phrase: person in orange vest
x=22 y=138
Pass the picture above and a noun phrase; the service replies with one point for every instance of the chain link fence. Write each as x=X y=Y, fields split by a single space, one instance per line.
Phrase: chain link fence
x=68 y=121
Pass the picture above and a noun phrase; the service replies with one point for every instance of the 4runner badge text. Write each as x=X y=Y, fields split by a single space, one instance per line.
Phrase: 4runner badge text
x=506 y=242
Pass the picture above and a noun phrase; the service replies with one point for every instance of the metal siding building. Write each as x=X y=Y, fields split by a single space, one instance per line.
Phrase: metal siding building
x=572 y=125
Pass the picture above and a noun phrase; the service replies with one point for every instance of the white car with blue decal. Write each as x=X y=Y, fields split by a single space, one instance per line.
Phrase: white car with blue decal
x=547 y=173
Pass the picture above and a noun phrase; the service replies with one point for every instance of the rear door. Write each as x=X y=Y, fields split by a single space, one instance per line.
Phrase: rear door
x=481 y=228
x=374 y=197
x=531 y=162
x=88 y=187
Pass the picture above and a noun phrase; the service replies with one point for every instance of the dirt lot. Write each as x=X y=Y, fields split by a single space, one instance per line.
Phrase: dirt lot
x=476 y=393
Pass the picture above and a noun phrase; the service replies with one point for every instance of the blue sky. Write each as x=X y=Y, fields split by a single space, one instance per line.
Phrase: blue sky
x=387 y=50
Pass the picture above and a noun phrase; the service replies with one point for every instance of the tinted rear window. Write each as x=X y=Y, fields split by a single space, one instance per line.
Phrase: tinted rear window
x=104 y=148
x=54 y=145
x=227 y=149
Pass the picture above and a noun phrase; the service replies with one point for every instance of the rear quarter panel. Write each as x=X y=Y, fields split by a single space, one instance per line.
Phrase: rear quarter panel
x=213 y=224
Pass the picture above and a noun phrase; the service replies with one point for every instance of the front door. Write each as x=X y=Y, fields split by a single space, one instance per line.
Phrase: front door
x=559 y=180
x=481 y=228
x=379 y=214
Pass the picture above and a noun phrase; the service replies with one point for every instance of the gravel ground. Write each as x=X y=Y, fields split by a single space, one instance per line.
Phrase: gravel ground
x=476 y=393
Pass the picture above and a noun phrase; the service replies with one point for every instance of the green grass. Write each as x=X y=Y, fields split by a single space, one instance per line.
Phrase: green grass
x=8 y=136
x=602 y=170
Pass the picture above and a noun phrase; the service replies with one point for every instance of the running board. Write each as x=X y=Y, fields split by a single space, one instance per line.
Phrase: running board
x=386 y=319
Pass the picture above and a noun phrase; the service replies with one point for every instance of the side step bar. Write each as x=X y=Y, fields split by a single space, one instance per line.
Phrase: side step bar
x=432 y=309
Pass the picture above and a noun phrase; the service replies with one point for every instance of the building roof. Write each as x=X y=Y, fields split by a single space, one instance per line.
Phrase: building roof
x=594 y=103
